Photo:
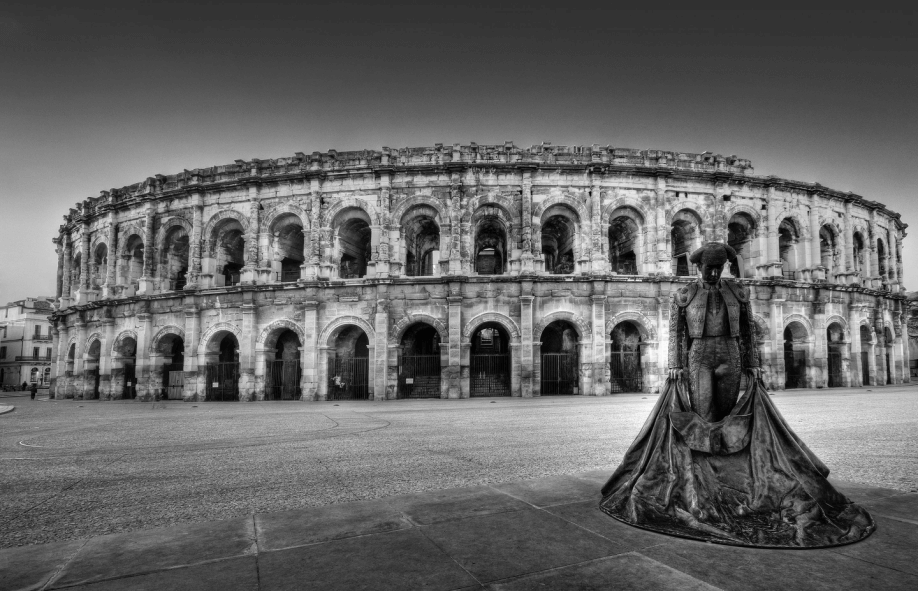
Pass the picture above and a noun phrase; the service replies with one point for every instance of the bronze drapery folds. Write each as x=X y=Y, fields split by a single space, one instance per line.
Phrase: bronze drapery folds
x=715 y=466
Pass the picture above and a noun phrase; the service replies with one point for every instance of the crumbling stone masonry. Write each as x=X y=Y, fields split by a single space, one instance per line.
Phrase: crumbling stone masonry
x=458 y=271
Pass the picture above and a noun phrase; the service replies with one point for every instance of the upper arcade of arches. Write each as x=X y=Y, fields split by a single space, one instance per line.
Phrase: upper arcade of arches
x=467 y=210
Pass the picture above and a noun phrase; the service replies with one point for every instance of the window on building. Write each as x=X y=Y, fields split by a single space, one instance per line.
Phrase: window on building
x=38 y=330
x=35 y=352
x=2 y=352
x=48 y=353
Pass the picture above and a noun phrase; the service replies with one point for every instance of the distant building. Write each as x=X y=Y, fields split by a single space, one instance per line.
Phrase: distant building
x=912 y=299
x=26 y=342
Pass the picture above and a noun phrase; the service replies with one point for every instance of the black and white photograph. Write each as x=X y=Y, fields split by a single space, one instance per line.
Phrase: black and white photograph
x=458 y=295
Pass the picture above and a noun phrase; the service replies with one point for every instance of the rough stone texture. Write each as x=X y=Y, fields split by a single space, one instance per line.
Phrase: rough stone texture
x=229 y=257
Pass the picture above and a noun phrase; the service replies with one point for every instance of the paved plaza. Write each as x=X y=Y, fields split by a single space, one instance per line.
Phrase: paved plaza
x=73 y=469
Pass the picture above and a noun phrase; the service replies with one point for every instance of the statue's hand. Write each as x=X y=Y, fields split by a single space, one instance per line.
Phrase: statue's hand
x=675 y=373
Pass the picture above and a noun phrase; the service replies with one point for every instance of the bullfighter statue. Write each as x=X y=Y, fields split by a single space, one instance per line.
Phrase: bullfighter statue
x=710 y=464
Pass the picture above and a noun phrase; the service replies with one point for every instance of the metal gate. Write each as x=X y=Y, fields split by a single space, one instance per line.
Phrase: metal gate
x=489 y=375
x=835 y=369
x=173 y=380
x=559 y=374
x=93 y=375
x=865 y=369
x=282 y=379
x=349 y=378
x=419 y=376
x=130 y=382
x=625 y=373
x=795 y=369
x=222 y=381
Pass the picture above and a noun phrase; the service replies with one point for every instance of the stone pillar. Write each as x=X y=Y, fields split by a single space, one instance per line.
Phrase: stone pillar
x=849 y=240
x=146 y=387
x=820 y=342
x=777 y=329
x=453 y=370
x=598 y=266
x=891 y=265
x=526 y=343
x=815 y=261
x=720 y=212
x=381 y=250
x=247 y=351
x=380 y=369
x=59 y=390
x=774 y=255
x=105 y=359
x=309 y=360
x=146 y=280
x=55 y=365
x=196 y=247
x=190 y=390
x=526 y=259
x=59 y=283
x=78 y=360
x=110 y=278
x=600 y=386
x=249 y=270
x=874 y=258
x=854 y=346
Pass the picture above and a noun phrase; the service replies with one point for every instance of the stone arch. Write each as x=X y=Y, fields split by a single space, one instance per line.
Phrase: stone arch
x=762 y=326
x=335 y=325
x=70 y=342
x=575 y=204
x=284 y=209
x=169 y=223
x=402 y=325
x=403 y=208
x=219 y=217
x=119 y=340
x=841 y=322
x=697 y=209
x=799 y=225
x=165 y=331
x=748 y=210
x=832 y=224
x=271 y=332
x=347 y=203
x=580 y=325
x=803 y=320
x=498 y=201
x=624 y=203
x=209 y=334
x=96 y=336
x=495 y=317
x=643 y=323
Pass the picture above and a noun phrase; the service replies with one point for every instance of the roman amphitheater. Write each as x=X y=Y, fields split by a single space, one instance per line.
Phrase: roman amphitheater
x=460 y=271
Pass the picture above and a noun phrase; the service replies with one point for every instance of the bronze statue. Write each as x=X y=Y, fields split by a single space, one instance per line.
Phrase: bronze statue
x=710 y=464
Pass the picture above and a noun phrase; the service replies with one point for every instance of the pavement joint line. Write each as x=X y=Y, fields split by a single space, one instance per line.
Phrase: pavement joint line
x=64 y=565
x=447 y=554
x=893 y=517
x=81 y=584
x=584 y=528
x=836 y=550
x=513 y=496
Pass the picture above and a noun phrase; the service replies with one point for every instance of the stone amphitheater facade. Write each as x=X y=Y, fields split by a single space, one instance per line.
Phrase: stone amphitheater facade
x=457 y=271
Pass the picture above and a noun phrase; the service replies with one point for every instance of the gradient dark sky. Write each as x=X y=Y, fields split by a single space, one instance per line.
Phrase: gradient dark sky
x=98 y=95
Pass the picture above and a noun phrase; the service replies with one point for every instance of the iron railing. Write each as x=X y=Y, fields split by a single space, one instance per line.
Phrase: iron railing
x=173 y=380
x=559 y=374
x=835 y=369
x=288 y=276
x=625 y=372
x=282 y=379
x=349 y=378
x=419 y=376
x=222 y=381
x=489 y=375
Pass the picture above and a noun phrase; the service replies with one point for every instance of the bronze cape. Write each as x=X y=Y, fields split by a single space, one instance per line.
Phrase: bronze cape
x=745 y=480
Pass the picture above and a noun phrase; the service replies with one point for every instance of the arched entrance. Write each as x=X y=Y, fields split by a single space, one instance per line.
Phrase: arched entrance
x=624 y=233
x=788 y=238
x=172 y=349
x=349 y=365
x=795 y=356
x=835 y=335
x=865 y=355
x=124 y=367
x=685 y=237
x=560 y=362
x=282 y=369
x=287 y=243
x=741 y=231
x=490 y=254
x=489 y=363
x=419 y=362
x=91 y=371
x=887 y=347
x=625 y=371
x=351 y=248
x=222 y=368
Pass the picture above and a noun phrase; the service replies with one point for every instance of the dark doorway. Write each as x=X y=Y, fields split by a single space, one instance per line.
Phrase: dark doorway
x=835 y=336
x=794 y=356
x=348 y=369
x=865 y=356
x=419 y=363
x=223 y=375
x=174 y=370
x=282 y=374
x=625 y=371
x=489 y=362
x=560 y=368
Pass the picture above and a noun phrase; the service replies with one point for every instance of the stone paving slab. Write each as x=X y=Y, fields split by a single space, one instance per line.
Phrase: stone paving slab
x=520 y=535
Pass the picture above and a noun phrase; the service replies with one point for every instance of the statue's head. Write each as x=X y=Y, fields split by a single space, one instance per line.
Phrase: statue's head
x=711 y=259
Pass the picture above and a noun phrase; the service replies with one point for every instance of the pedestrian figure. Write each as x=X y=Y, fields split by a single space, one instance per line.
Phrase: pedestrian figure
x=25 y=386
x=34 y=389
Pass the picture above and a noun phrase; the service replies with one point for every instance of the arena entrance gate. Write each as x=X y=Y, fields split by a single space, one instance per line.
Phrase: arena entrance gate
x=560 y=369
x=834 y=337
x=489 y=362
x=223 y=375
x=625 y=371
x=174 y=370
x=348 y=370
x=419 y=363
x=865 y=356
x=794 y=356
x=92 y=370
x=282 y=374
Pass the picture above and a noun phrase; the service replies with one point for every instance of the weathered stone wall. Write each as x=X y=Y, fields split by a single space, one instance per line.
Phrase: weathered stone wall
x=814 y=258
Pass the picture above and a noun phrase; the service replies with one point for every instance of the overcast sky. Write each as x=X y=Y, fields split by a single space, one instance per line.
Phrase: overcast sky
x=97 y=95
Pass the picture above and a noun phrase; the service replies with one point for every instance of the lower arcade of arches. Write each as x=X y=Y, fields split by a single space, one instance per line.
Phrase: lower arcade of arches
x=477 y=342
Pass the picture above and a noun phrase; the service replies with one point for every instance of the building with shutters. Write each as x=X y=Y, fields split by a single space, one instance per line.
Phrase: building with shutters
x=457 y=271
x=26 y=342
